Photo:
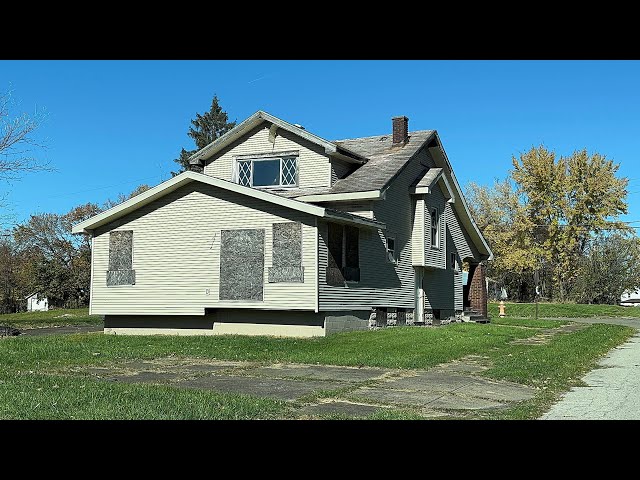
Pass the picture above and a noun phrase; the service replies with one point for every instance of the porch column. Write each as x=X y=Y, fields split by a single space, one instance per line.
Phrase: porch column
x=418 y=311
x=478 y=290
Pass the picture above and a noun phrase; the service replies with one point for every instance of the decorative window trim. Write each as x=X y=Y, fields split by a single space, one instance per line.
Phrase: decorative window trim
x=391 y=254
x=264 y=157
x=252 y=156
x=435 y=245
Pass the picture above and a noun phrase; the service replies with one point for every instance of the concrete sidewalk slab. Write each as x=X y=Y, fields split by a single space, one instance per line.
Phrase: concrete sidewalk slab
x=320 y=372
x=281 y=389
x=612 y=392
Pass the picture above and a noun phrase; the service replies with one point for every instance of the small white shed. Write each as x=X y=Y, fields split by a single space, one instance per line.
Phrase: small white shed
x=35 y=305
x=630 y=299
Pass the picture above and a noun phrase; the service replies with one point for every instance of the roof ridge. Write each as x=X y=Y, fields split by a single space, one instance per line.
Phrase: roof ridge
x=381 y=135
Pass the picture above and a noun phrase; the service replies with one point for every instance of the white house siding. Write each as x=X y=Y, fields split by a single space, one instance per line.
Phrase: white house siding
x=363 y=208
x=314 y=167
x=176 y=248
x=435 y=258
x=417 y=232
x=382 y=284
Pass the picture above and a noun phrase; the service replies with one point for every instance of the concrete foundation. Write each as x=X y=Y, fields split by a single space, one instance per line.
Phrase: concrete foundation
x=239 y=322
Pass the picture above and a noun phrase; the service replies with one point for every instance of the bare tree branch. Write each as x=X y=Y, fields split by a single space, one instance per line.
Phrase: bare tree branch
x=18 y=145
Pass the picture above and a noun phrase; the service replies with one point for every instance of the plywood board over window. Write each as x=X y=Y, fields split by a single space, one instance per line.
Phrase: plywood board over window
x=242 y=264
x=287 y=253
x=121 y=259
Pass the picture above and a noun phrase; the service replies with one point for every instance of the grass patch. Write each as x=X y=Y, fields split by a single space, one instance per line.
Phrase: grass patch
x=51 y=318
x=35 y=396
x=562 y=310
x=555 y=367
x=528 y=322
x=29 y=388
x=398 y=347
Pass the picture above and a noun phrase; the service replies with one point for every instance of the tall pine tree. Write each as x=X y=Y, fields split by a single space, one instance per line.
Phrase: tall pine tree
x=205 y=129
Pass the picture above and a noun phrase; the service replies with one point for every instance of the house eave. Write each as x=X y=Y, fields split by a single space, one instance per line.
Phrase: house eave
x=184 y=178
x=261 y=116
x=342 y=197
x=463 y=207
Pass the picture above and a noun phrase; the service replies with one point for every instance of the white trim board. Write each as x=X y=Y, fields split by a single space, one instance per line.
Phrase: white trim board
x=187 y=177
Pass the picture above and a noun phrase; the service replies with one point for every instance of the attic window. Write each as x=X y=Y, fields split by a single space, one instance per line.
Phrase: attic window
x=267 y=172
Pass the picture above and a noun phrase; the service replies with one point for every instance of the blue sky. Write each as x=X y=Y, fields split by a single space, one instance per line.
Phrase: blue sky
x=113 y=125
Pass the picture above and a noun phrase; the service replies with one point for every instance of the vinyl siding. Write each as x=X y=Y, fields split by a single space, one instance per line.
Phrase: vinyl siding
x=176 y=248
x=440 y=284
x=461 y=241
x=435 y=258
x=339 y=169
x=382 y=284
x=314 y=167
x=417 y=232
x=439 y=289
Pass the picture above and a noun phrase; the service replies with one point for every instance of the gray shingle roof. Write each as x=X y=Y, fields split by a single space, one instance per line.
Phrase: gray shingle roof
x=385 y=160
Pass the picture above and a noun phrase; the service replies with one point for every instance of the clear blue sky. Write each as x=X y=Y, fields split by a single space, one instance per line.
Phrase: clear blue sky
x=113 y=125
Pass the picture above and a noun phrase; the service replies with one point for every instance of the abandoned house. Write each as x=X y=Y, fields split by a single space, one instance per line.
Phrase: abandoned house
x=276 y=231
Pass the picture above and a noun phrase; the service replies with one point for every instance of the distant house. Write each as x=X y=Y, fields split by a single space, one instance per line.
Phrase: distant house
x=286 y=233
x=35 y=305
x=630 y=299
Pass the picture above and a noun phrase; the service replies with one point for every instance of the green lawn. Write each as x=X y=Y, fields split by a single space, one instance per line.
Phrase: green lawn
x=563 y=310
x=30 y=389
x=51 y=318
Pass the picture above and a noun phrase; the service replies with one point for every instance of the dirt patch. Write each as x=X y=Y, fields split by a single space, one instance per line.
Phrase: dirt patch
x=546 y=335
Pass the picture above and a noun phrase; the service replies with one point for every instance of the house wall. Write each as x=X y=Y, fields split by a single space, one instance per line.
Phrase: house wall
x=460 y=240
x=417 y=232
x=314 y=167
x=176 y=255
x=439 y=283
x=363 y=208
x=435 y=257
x=382 y=284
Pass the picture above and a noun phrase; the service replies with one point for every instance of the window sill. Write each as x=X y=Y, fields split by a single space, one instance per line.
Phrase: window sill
x=275 y=187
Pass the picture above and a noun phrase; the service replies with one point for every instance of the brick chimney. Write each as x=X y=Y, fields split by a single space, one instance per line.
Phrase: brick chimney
x=400 y=129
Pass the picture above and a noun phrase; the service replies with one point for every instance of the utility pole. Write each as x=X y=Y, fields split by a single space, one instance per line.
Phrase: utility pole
x=536 y=278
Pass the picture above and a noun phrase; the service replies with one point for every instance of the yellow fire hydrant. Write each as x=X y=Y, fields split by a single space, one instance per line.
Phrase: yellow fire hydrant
x=502 y=314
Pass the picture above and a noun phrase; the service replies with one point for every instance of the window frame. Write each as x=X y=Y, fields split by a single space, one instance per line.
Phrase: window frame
x=343 y=252
x=280 y=158
x=455 y=265
x=435 y=245
x=393 y=252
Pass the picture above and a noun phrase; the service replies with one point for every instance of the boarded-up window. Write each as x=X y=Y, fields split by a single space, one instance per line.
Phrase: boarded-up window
x=287 y=253
x=241 y=264
x=121 y=258
x=343 y=252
